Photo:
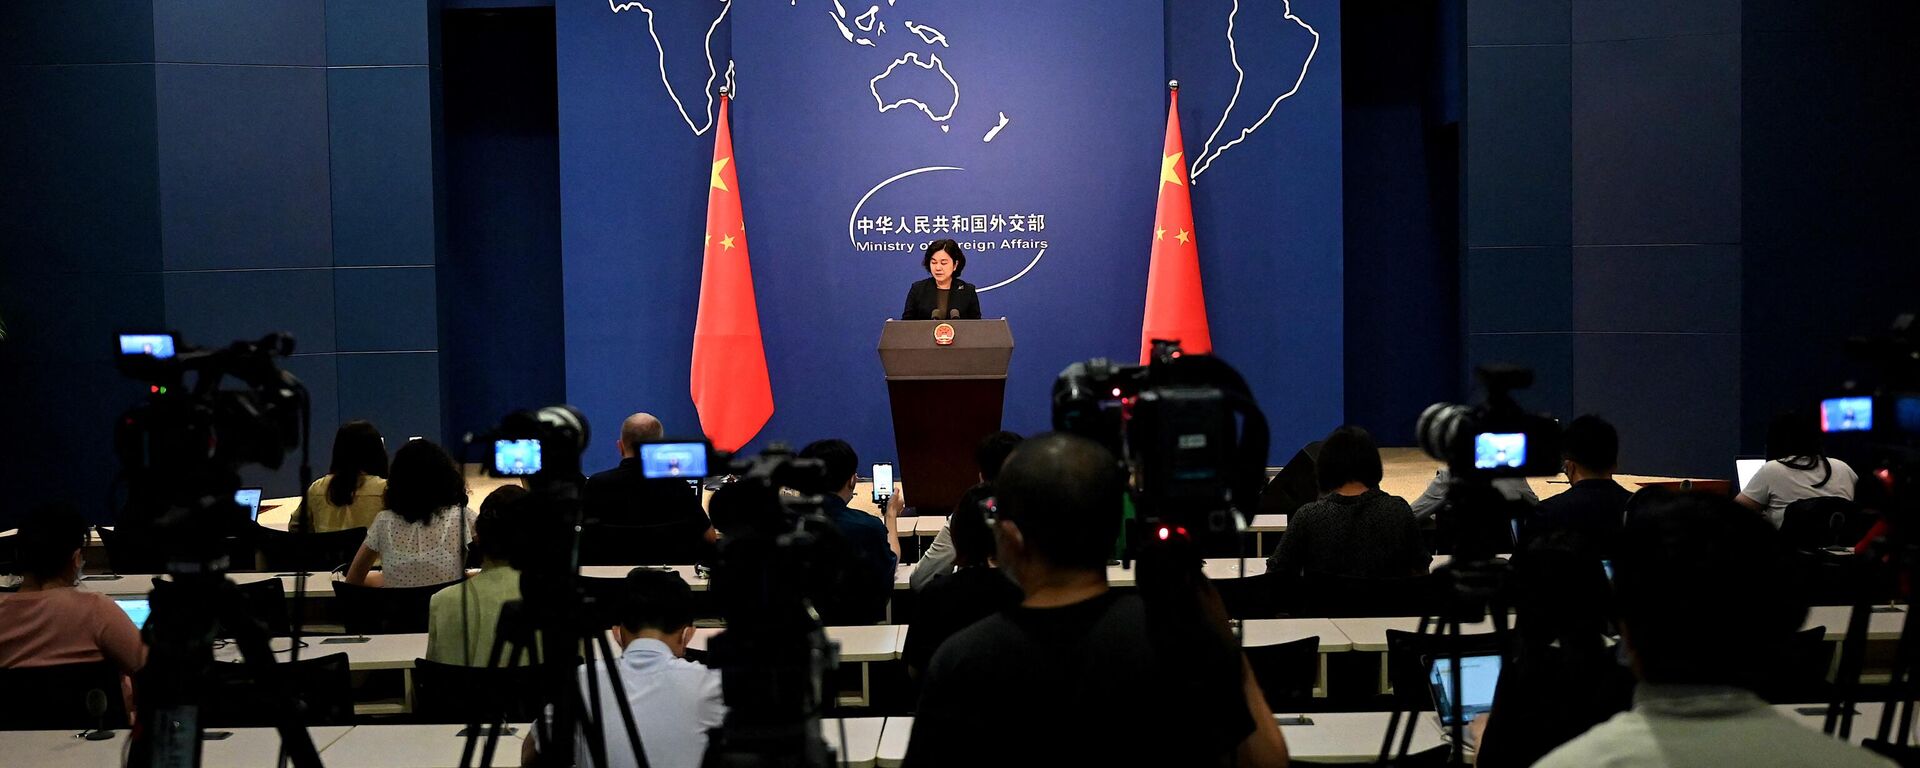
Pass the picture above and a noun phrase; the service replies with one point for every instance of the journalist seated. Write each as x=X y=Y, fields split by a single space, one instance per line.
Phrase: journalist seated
x=49 y=622
x=462 y=618
x=667 y=511
x=1057 y=679
x=1704 y=592
x=675 y=702
x=421 y=537
x=1355 y=529
x=873 y=551
x=974 y=590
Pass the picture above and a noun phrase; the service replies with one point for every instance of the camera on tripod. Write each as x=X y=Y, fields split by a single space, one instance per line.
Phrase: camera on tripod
x=1495 y=439
x=190 y=421
x=1193 y=442
x=541 y=443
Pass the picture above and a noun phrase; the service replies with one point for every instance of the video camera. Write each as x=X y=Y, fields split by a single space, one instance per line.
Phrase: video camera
x=537 y=444
x=1186 y=427
x=1495 y=439
x=190 y=423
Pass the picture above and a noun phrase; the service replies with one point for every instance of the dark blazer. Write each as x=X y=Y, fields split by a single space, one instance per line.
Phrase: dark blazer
x=654 y=521
x=923 y=298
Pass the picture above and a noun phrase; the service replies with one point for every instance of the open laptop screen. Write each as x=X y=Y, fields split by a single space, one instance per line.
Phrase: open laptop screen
x=248 y=498
x=136 y=608
x=1744 y=470
x=1478 y=677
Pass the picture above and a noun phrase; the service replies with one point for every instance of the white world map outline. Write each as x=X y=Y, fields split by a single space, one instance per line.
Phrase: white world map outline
x=1207 y=153
x=713 y=70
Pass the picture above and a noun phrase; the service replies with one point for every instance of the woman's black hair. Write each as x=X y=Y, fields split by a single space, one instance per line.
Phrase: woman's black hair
x=357 y=452
x=424 y=480
x=953 y=251
x=1793 y=439
x=1348 y=455
x=48 y=538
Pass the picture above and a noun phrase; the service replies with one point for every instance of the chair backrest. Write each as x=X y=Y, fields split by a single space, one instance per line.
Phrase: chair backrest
x=1803 y=676
x=320 y=688
x=1824 y=521
x=1286 y=672
x=675 y=543
x=1330 y=596
x=266 y=602
x=451 y=693
x=606 y=595
x=1410 y=656
x=55 y=697
x=384 y=610
x=315 y=552
x=1250 y=597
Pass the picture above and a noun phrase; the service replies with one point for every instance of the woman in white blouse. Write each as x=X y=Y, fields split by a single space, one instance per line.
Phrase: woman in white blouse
x=421 y=537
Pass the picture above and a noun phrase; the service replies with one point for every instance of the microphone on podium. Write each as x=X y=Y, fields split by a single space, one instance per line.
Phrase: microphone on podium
x=953 y=314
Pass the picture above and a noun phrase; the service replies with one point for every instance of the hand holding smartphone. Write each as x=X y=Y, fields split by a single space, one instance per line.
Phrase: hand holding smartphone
x=882 y=483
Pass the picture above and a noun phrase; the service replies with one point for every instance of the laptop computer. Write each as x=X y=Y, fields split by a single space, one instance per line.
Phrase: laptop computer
x=249 y=498
x=1744 y=470
x=1479 y=674
x=137 y=609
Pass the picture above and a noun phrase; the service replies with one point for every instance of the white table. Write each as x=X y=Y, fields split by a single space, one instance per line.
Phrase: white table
x=375 y=652
x=1866 y=719
x=687 y=573
x=1258 y=632
x=136 y=584
x=863 y=739
x=414 y=746
x=1881 y=625
x=246 y=748
x=925 y=525
x=1370 y=635
x=1334 y=737
x=862 y=644
x=1263 y=525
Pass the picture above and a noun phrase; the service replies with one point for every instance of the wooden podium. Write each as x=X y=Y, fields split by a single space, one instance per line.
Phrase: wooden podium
x=945 y=398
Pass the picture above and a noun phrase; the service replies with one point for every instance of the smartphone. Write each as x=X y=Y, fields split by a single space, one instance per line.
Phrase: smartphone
x=516 y=458
x=882 y=482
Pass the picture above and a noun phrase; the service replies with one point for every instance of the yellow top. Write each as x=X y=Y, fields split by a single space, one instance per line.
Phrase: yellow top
x=368 y=499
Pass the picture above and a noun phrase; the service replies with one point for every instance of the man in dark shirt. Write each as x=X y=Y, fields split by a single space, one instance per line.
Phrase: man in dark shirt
x=975 y=590
x=873 y=548
x=1071 y=675
x=665 y=517
x=1593 y=507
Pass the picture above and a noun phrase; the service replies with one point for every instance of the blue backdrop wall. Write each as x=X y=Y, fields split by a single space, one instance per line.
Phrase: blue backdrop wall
x=1029 y=132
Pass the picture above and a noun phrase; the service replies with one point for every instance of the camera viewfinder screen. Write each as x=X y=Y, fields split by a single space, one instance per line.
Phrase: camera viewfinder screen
x=516 y=457
x=158 y=345
x=1499 y=450
x=1846 y=414
x=137 y=609
x=673 y=460
x=1907 y=413
x=1479 y=675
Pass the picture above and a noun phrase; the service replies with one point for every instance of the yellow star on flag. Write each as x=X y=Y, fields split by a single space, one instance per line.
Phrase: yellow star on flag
x=1170 y=169
x=727 y=242
x=1159 y=234
x=719 y=183
x=1182 y=237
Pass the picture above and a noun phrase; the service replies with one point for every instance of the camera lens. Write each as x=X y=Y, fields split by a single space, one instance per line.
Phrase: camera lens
x=1437 y=426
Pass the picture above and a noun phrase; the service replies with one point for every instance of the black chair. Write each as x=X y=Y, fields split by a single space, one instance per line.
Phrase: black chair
x=1286 y=672
x=266 y=602
x=676 y=543
x=384 y=610
x=1828 y=521
x=55 y=698
x=1410 y=656
x=319 y=688
x=1803 y=676
x=1330 y=596
x=1250 y=597
x=606 y=595
x=451 y=693
x=313 y=552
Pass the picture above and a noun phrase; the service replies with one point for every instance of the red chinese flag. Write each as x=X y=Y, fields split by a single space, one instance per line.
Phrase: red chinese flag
x=730 y=386
x=1176 y=306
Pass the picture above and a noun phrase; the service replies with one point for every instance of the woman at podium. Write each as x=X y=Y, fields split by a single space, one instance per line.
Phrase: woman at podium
x=943 y=296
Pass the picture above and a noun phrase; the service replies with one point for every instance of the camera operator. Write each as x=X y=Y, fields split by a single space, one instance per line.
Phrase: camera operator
x=674 y=701
x=1061 y=676
x=874 y=548
x=1703 y=588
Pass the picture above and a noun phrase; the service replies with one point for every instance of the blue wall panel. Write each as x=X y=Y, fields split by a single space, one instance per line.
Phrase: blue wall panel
x=1657 y=289
x=385 y=309
x=1632 y=19
x=1550 y=355
x=379 y=32
x=284 y=32
x=380 y=121
x=243 y=167
x=213 y=308
x=1517 y=22
x=1512 y=290
x=318 y=373
x=73 y=197
x=1674 y=397
x=1517 y=136
x=1656 y=141
x=399 y=392
x=74 y=317
x=76 y=32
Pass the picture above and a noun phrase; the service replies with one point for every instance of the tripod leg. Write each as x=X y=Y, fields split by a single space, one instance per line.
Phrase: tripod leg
x=1393 y=720
x=473 y=723
x=257 y=655
x=620 y=697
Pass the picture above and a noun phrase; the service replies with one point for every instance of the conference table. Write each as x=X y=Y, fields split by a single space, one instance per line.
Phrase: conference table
x=1332 y=737
x=360 y=746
